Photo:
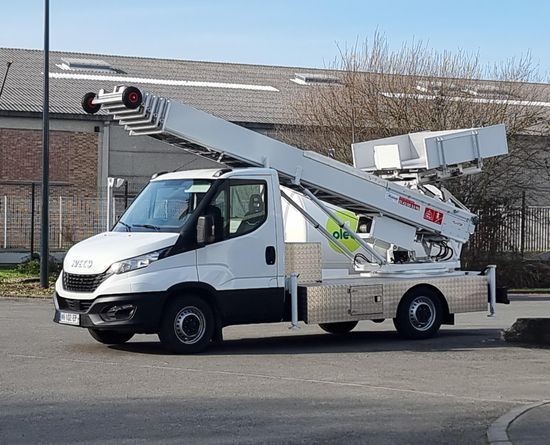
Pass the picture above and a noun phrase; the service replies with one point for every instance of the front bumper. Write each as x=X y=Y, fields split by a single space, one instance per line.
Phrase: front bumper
x=145 y=318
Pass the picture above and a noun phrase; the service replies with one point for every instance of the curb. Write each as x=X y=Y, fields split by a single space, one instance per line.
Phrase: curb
x=497 y=434
x=24 y=297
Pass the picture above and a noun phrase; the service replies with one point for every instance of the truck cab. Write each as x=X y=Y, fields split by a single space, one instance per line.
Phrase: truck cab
x=196 y=251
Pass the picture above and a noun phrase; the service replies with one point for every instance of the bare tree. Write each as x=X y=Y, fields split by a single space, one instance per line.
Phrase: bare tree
x=382 y=93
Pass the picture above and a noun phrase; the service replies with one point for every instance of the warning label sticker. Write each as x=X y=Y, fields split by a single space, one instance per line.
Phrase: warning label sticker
x=434 y=216
x=407 y=202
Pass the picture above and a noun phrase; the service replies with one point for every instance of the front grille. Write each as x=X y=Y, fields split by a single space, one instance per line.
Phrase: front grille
x=83 y=283
x=74 y=305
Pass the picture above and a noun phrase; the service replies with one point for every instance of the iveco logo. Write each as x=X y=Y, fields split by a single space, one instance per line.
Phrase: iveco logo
x=82 y=264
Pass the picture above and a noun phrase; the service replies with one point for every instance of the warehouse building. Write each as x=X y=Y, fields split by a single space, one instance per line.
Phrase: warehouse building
x=85 y=149
x=88 y=149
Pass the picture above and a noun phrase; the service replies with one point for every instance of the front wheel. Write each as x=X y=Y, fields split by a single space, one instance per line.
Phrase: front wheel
x=338 y=328
x=419 y=314
x=110 y=337
x=187 y=325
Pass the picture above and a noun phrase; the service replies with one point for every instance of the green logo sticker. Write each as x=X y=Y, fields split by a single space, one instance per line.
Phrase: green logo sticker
x=351 y=220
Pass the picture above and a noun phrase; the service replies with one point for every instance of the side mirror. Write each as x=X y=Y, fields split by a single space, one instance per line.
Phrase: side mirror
x=205 y=229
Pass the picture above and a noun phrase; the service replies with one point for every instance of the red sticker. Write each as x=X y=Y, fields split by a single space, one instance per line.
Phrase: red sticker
x=434 y=216
x=409 y=203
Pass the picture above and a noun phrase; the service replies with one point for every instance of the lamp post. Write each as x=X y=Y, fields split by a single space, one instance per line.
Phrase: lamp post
x=44 y=248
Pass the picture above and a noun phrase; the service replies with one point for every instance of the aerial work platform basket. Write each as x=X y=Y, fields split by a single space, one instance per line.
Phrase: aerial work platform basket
x=450 y=152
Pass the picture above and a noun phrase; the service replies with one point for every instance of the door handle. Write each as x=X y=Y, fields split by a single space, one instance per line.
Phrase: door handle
x=270 y=255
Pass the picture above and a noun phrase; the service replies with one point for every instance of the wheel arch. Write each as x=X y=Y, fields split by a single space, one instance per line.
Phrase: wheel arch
x=448 y=318
x=203 y=291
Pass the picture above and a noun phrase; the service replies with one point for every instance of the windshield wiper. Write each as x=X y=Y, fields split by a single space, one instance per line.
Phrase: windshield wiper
x=128 y=228
x=147 y=226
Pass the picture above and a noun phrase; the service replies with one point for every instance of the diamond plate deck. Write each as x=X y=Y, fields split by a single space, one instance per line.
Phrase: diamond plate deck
x=354 y=299
x=305 y=260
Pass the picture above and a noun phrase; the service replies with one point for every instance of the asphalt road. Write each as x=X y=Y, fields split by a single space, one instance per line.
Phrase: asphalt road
x=265 y=384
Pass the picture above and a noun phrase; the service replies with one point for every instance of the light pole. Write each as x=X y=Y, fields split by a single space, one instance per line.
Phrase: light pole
x=44 y=250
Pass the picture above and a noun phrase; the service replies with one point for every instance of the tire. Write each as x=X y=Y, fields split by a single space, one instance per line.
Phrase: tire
x=340 y=328
x=131 y=97
x=87 y=104
x=187 y=325
x=110 y=337
x=419 y=315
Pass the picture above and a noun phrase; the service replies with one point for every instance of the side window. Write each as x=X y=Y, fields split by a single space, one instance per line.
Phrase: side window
x=248 y=206
x=218 y=209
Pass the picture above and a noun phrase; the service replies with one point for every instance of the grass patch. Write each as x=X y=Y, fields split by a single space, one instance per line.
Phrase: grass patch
x=18 y=281
x=10 y=272
x=529 y=291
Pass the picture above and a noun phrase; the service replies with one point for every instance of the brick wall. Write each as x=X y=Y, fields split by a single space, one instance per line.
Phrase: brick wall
x=73 y=162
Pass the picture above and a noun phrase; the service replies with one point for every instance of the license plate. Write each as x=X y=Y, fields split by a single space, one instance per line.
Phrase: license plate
x=69 y=318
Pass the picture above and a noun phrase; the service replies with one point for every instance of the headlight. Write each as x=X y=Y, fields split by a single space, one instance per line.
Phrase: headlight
x=137 y=262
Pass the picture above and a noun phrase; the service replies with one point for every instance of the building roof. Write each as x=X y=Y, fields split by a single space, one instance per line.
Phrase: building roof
x=236 y=92
x=253 y=94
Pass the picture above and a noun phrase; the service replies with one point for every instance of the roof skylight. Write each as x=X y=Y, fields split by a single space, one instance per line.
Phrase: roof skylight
x=314 y=78
x=74 y=64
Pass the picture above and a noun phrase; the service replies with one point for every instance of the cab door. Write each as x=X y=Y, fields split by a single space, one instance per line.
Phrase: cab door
x=241 y=262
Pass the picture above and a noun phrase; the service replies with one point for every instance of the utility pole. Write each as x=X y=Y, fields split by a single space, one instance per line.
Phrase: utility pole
x=44 y=250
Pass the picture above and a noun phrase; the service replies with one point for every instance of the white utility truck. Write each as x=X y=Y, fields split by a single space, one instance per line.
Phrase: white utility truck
x=200 y=250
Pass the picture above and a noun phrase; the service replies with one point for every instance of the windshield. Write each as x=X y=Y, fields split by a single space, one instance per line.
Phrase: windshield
x=163 y=206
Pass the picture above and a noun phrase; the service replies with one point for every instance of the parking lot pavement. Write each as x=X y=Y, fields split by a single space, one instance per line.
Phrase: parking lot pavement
x=265 y=383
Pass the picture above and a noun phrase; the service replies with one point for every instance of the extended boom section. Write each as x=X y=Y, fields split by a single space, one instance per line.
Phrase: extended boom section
x=330 y=180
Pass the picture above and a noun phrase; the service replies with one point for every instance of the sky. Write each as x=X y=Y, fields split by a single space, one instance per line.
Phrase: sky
x=303 y=33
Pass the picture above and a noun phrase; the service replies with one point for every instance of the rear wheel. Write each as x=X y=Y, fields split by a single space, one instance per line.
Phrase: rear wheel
x=110 y=337
x=187 y=325
x=419 y=314
x=338 y=328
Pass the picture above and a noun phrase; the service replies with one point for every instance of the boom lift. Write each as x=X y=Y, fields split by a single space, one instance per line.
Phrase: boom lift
x=408 y=266
x=400 y=216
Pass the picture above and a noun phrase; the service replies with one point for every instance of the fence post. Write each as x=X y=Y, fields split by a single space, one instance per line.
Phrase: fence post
x=523 y=223
x=110 y=182
x=125 y=194
x=114 y=210
x=5 y=222
x=33 y=203
x=60 y=222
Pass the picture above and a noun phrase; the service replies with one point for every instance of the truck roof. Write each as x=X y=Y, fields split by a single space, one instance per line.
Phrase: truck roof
x=210 y=173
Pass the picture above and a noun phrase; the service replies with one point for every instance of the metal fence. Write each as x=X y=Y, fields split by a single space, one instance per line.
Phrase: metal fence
x=72 y=219
x=521 y=229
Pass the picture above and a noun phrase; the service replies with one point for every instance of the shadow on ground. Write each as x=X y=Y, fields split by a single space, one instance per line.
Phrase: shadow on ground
x=327 y=419
x=360 y=341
